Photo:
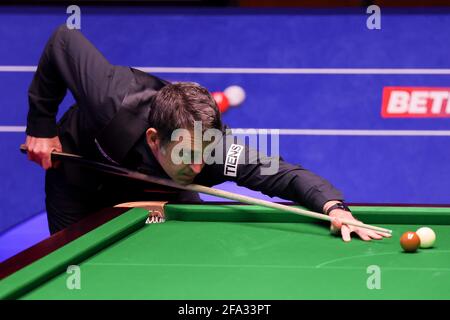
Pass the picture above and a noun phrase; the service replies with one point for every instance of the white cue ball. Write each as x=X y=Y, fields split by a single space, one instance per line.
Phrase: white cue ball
x=235 y=95
x=426 y=236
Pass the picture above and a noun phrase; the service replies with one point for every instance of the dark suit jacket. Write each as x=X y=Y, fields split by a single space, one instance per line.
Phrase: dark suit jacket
x=109 y=120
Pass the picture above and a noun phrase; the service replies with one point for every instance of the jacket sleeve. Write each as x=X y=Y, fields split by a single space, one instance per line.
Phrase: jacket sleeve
x=270 y=175
x=70 y=62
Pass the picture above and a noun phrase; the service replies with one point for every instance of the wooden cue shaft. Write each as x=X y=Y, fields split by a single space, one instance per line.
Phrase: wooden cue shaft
x=278 y=206
x=259 y=202
x=117 y=170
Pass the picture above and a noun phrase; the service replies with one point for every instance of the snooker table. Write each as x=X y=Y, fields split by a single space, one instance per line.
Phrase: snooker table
x=232 y=251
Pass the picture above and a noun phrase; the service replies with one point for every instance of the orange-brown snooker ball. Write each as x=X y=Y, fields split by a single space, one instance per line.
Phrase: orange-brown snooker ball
x=410 y=241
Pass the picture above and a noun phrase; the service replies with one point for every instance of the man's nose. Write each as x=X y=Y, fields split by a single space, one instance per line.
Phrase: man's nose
x=196 y=168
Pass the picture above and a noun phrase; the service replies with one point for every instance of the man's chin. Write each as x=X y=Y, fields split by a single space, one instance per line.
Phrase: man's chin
x=184 y=181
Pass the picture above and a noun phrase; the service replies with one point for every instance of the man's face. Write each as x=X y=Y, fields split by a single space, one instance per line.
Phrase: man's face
x=185 y=151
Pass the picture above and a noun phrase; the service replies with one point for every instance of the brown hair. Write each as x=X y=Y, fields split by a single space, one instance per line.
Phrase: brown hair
x=178 y=105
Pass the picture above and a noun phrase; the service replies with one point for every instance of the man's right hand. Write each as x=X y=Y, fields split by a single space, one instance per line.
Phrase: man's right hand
x=40 y=149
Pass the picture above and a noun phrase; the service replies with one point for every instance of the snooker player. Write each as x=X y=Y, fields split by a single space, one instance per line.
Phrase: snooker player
x=126 y=117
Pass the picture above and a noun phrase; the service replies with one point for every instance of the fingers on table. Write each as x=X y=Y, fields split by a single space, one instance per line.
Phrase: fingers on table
x=370 y=234
x=364 y=234
x=346 y=233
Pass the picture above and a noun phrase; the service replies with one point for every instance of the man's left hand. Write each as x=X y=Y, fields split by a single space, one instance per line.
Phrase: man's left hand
x=347 y=230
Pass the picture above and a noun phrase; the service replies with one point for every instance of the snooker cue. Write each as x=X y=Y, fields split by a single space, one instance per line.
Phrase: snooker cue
x=120 y=171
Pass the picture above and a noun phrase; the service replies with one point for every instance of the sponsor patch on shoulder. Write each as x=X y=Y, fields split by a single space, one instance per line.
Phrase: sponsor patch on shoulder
x=231 y=162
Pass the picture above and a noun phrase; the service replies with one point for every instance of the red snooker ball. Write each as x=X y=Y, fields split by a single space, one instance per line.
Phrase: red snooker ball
x=410 y=241
x=222 y=101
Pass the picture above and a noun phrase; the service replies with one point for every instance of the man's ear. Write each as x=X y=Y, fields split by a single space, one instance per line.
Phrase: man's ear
x=153 y=140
